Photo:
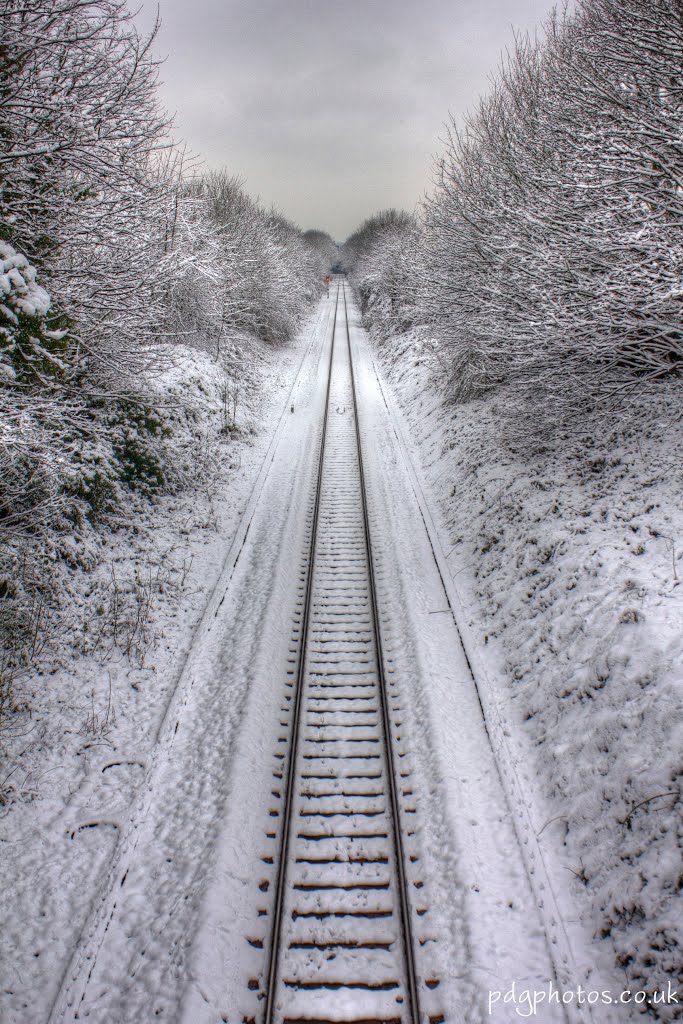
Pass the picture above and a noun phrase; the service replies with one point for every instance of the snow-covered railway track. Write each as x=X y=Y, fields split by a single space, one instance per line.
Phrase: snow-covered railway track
x=341 y=943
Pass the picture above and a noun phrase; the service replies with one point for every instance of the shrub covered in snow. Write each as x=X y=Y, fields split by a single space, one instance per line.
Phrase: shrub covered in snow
x=67 y=458
x=108 y=251
x=555 y=225
x=31 y=348
x=246 y=269
x=383 y=257
x=549 y=252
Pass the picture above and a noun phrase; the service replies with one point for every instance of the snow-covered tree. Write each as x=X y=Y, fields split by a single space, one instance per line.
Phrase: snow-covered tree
x=245 y=269
x=323 y=251
x=383 y=259
x=111 y=252
x=553 y=235
x=85 y=170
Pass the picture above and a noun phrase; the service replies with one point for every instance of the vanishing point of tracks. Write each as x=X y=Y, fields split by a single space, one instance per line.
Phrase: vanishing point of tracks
x=346 y=916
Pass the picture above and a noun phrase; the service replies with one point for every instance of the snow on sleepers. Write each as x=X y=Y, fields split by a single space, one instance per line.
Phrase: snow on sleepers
x=342 y=943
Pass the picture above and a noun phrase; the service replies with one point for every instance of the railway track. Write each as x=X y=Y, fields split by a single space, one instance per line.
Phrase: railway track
x=345 y=909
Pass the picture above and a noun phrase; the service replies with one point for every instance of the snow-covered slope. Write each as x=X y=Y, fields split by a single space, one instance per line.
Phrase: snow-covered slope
x=569 y=563
x=74 y=762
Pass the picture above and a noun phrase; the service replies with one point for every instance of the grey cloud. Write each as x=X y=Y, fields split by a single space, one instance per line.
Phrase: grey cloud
x=329 y=110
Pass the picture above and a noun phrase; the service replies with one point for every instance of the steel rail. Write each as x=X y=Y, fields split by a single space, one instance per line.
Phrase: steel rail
x=280 y=884
x=289 y=791
x=411 y=972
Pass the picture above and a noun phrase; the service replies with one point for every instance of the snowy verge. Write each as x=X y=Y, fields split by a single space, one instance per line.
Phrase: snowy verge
x=75 y=762
x=567 y=565
x=492 y=929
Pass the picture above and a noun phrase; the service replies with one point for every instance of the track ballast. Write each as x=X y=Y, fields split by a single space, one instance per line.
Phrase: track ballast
x=341 y=943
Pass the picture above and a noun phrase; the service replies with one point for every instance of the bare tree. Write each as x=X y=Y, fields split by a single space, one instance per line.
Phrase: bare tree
x=383 y=258
x=85 y=168
x=553 y=233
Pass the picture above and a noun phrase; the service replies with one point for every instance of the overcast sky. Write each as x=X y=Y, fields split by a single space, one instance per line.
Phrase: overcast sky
x=329 y=110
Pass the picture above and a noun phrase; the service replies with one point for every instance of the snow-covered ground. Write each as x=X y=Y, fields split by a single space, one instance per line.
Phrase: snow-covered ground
x=529 y=613
x=482 y=928
x=568 y=564
x=73 y=766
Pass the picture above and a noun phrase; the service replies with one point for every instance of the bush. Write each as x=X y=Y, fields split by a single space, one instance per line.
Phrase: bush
x=553 y=236
x=548 y=256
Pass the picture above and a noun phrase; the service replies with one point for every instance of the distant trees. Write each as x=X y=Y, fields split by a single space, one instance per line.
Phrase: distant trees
x=241 y=268
x=323 y=252
x=552 y=243
x=382 y=257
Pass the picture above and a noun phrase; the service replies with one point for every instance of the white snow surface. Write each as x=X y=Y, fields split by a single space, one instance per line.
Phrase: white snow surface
x=482 y=911
x=566 y=566
x=136 y=845
x=74 y=765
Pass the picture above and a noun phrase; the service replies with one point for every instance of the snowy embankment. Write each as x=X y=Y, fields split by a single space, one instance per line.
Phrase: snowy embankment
x=569 y=564
x=74 y=760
